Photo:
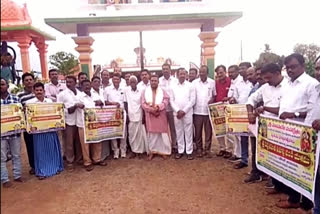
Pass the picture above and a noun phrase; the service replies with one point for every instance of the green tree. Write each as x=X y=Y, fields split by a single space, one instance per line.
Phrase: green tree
x=310 y=53
x=66 y=63
x=267 y=56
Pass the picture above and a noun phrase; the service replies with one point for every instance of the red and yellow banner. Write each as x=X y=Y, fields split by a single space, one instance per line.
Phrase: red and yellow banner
x=45 y=117
x=12 y=119
x=103 y=124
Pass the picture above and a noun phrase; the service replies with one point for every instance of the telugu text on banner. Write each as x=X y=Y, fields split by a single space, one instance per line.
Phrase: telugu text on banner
x=217 y=118
x=103 y=124
x=286 y=150
x=237 y=119
x=44 y=117
x=12 y=119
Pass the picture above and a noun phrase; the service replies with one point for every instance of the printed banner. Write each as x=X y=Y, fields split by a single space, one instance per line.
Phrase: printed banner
x=104 y=124
x=237 y=119
x=45 y=117
x=286 y=150
x=12 y=119
x=217 y=118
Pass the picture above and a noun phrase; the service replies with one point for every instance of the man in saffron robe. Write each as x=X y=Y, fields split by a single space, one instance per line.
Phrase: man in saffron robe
x=154 y=102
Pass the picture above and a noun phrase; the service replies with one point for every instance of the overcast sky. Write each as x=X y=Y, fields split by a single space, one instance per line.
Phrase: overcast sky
x=281 y=24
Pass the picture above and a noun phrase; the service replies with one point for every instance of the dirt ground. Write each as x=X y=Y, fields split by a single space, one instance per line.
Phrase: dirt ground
x=139 y=186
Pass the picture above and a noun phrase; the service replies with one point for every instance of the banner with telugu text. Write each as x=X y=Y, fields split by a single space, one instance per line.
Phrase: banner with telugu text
x=217 y=118
x=12 y=119
x=237 y=119
x=104 y=124
x=45 y=117
x=286 y=150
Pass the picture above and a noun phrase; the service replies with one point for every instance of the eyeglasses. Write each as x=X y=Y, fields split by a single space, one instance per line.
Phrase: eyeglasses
x=294 y=66
x=317 y=68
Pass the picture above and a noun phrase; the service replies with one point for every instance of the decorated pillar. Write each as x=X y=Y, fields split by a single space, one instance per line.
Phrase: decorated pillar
x=84 y=42
x=208 y=36
x=42 y=49
x=24 y=44
x=207 y=50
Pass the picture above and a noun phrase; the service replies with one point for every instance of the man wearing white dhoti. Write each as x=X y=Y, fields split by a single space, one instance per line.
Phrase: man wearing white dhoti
x=136 y=130
x=154 y=102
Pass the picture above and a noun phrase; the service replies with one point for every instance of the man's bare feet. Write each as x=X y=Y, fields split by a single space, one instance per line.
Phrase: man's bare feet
x=164 y=157
x=150 y=157
x=132 y=155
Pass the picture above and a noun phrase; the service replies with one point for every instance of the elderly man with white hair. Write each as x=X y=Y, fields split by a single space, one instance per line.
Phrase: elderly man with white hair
x=136 y=129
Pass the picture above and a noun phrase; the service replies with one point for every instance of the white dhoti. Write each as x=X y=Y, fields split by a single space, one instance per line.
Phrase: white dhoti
x=137 y=137
x=159 y=143
x=235 y=140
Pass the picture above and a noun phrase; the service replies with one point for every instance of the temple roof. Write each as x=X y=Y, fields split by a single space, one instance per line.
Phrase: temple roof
x=16 y=19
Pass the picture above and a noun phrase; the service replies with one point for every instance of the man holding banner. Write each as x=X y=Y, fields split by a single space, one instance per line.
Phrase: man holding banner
x=47 y=151
x=297 y=99
x=13 y=141
x=88 y=100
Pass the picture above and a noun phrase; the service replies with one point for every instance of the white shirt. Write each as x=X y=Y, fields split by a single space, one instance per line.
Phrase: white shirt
x=35 y=100
x=111 y=94
x=269 y=95
x=52 y=90
x=299 y=96
x=183 y=97
x=88 y=102
x=314 y=114
x=166 y=85
x=141 y=86
x=97 y=95
x=133 y=98
x=204 y=92
x=69 y=99
x=240 y=90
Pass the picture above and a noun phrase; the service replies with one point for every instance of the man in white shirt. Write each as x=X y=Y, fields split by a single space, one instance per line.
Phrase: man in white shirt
x=118 y=70
x=70 y=98
x=205 y=91
x=136 y=129
x=97 y=93
x=236 y=79
x=81 y=76
x=193 y=74
x=145 y=80
x=297 y=100
x=54 y=87
x=182 y=100
x=114 y=95
x=105 y=79
x=265 y=101
x=89 y=101
x=166 y=82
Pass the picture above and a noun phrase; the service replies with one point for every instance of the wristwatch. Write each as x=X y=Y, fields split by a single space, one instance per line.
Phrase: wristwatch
x=297 y=114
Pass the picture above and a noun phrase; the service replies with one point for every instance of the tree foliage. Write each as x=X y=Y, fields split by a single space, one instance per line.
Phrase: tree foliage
x=66 y=63
x=310 y=53
x=267 y=56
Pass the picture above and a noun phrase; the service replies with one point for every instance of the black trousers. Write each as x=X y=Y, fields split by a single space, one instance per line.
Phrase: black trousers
x=28 y=138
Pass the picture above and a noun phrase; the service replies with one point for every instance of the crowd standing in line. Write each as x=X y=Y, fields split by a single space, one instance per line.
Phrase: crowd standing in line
x=165 y=116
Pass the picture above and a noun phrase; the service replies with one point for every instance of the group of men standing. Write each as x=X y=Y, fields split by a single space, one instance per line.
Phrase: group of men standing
x=169 y=114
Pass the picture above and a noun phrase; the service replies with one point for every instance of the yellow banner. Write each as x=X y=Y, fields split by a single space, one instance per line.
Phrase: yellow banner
x=286 y=150
x=12 y=119
x=217 y=118
x=237 y=119
x=103 y=124
x=45 y=117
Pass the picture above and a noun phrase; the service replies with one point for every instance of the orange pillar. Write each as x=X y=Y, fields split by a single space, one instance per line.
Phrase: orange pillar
x=84 y=48
x=24 y=44
x=42 y=49
x=207 y=49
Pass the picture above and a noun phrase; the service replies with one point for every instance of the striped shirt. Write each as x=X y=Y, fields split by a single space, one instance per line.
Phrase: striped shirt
x=10 y=99
x=25 y=96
